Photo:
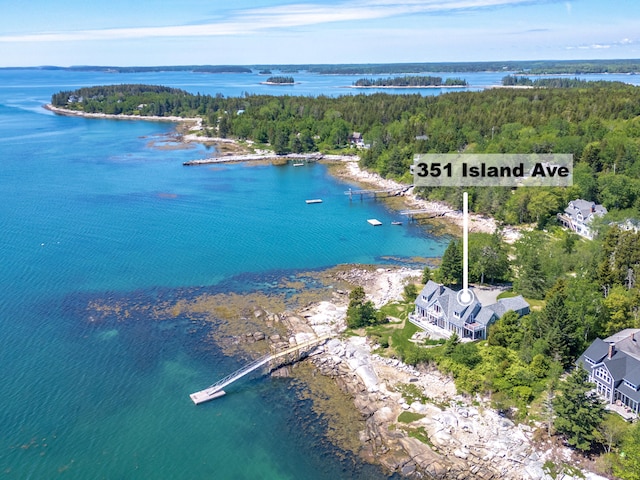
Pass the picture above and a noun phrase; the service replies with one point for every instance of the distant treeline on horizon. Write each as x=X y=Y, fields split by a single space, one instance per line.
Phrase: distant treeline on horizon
x=531 y=67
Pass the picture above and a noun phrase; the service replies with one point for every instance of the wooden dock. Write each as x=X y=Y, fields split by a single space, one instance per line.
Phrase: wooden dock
x=387 y=192
x=313 y=157
x=215 y=390
x=426 y=212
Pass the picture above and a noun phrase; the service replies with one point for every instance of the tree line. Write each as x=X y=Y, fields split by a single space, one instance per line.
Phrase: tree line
x=409 y=81
x=280 y=79
x=558 y=82
x=599 y=125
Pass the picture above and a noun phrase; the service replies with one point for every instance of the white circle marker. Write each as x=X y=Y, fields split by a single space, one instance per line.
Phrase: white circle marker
x=465 y=296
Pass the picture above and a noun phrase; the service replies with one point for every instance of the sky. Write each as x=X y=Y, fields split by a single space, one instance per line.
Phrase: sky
x=250 y=32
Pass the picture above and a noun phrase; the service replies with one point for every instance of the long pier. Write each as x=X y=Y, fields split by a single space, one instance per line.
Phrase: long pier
x=311 y=157
x=387 y=192
x=431 y=213
x=215 y=390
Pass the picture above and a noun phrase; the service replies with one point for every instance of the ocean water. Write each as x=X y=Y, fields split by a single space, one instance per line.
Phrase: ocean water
x=95 y=210
x=98 y=210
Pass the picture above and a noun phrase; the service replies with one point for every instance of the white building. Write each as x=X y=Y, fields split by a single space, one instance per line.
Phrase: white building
x=578 y=216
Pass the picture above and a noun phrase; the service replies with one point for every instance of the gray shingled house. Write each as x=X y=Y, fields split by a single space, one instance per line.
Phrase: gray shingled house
x=438 y=305
x=579 y=215
x=614 y=366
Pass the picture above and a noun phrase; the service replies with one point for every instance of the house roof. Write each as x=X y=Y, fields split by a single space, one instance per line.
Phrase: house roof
x=584 y=207
x=621 y=365
x=633 y=374
x=617 y=366
x=629 y=392
x=464 y=315
x=628 y=341
x=597 y=350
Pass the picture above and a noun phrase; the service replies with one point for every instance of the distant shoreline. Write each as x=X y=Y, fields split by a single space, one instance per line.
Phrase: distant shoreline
x=152 y=118
x=408 y=86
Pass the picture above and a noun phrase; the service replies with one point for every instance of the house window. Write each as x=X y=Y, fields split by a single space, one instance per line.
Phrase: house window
x=630 y=385
x=603 y=390
x=589 y=361
x=602 y=374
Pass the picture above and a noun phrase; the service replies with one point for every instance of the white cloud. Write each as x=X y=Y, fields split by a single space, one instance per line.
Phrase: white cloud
x=602 y=46
x=284 y=16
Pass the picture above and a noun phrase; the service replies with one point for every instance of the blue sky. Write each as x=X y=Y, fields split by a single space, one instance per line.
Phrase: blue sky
x=241 y=32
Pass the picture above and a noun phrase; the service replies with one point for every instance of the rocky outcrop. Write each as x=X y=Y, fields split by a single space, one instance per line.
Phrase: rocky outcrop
x=442 y=435
x=455 y=440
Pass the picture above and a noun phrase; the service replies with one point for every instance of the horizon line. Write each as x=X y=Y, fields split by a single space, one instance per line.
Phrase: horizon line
x=449 y=62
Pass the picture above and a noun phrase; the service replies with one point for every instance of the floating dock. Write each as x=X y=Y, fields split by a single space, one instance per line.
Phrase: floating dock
x=315 y=200
x=215 y=390
x=375 y=222
x=204 y=396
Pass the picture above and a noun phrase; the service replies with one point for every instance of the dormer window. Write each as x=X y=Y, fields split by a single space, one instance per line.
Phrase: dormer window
x=589 y=361
x=630 y=385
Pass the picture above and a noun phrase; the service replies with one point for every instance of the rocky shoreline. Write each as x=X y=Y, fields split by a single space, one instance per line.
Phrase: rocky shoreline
x=445 y=435
x=415 y=424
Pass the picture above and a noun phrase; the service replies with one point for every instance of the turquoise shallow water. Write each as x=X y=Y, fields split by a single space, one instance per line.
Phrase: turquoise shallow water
x=93 y=210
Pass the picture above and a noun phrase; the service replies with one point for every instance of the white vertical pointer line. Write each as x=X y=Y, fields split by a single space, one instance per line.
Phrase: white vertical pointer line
x=465 y=242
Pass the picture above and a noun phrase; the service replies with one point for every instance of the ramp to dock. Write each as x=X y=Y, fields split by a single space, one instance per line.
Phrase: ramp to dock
x=215 y=390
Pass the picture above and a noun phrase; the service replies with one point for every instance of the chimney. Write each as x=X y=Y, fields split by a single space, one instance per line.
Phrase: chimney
x=612 y=349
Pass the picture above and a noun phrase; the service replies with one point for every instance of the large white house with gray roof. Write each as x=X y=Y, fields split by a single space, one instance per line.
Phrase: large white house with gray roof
x=438 y=305
x=614 y=366
x=579 y=215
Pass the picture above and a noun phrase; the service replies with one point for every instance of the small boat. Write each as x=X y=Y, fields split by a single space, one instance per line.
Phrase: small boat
x=375 y=222
x=396 y=223
x=298 y=164
x=315 y=200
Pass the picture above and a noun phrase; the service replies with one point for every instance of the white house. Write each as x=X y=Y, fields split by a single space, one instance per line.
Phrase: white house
x=578 y=216
x=438 y=305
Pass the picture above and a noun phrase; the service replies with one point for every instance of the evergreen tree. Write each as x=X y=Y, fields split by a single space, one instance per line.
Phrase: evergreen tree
x=426 y=275
x=531 y=279
x=507 y=331
x=558 y=327
x=578 y=414
x=360 y=312
x=450 y=270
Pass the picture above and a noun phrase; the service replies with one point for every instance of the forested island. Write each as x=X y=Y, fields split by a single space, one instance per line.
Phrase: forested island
x=280 y=80
x=579 y=290
x=408 y=81
x=558 y=82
